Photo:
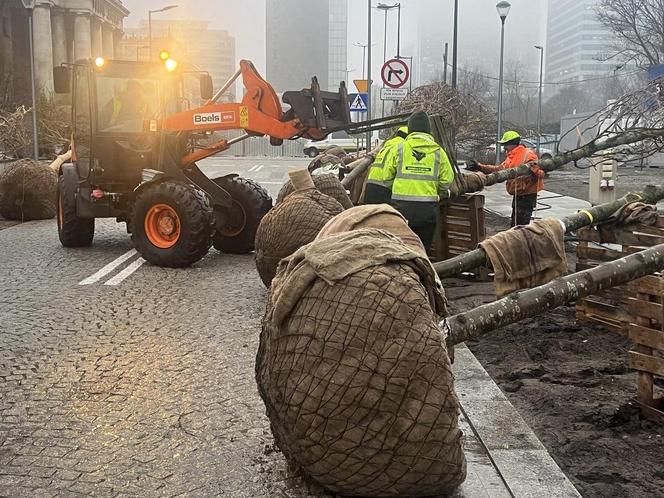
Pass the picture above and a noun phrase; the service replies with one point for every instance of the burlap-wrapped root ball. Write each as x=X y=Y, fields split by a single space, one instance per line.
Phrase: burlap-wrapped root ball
x=327 y=184
x=354 y=371
x=380 y=216
x=28 y=191
x=291 y=224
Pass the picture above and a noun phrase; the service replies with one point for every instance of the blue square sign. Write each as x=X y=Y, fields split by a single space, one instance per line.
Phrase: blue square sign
x=358 y=102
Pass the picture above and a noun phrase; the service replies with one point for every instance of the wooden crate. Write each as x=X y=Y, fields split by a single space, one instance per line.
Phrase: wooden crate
x=460 y=229
x=635 y=310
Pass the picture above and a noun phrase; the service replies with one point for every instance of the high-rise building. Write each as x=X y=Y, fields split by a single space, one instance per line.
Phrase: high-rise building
x=193 y=42
x=305 y=39
x=577 y=43
x=430 y=43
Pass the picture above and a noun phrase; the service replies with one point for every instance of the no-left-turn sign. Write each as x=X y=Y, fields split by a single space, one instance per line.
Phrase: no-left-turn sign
x=395 y=73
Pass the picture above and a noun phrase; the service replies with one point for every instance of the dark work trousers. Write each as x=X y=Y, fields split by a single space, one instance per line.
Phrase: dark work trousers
x=524 y=206
x=377 y=194
x=421 y=218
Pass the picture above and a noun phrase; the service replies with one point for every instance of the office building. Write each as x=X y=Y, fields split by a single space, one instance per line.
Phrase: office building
x=578 y=46
x=191 y=42
x=305 y=39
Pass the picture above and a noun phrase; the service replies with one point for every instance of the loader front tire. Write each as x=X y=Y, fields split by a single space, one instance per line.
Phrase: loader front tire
x=236 y=227
x=72 y=230
x=172 y=224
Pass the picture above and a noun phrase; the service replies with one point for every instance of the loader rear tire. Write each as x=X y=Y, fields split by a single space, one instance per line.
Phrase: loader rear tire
x=72 y=230
x=236 y=227
x=172 y=224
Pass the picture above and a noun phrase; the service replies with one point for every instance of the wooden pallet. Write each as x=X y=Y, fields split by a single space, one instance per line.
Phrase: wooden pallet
x=635 y=310
x=460 y=229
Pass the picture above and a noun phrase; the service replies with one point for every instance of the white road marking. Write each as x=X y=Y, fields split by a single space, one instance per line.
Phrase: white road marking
x=253 y=168
x=126 y=272
x=260 y=167
x=108 y=268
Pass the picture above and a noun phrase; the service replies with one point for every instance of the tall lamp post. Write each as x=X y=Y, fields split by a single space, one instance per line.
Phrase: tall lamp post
x=150 y=12
x=368 y=143
x=29 y=5
x=363 y=46
x=503 y=9
x=456 y=39
x=385 y=8
x=539 y=103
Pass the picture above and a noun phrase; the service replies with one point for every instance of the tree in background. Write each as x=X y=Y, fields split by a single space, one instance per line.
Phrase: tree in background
x=638 y=26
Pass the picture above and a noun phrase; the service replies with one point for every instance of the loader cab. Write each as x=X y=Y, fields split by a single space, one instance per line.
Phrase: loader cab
x=116 y=110
x=116 y=106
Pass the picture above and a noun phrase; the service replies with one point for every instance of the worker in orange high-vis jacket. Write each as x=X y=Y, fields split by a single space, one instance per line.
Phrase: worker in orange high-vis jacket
x=523 y=189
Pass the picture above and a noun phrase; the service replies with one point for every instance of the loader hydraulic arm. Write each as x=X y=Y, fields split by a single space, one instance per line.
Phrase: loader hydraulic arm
x=259 y=114
x=313 y=114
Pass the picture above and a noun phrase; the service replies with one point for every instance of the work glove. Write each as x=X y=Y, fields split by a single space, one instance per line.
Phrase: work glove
x=472 y=165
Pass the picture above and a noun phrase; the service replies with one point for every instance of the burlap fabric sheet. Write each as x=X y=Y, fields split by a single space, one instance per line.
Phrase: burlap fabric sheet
x=354 y=370
x=527 y=256
x=636 y=213
x=290 y=225
x=327 y=184
x=28 y=191
x=380 y=216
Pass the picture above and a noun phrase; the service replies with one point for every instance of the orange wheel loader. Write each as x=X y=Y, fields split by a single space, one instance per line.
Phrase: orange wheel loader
x=134 y=153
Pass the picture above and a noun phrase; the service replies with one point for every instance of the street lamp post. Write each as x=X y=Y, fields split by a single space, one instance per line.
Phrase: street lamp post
x=539 y=103
x=364 y=56
x=454 y=48
x=29 y=5
x=385 y=8
x=503 y=9
x=150 y=12
x=369 y=71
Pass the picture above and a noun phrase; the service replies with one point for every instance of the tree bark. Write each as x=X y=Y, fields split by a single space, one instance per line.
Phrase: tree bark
x=559 y=160
x=532 y=302
x=602 y=212
x=358 y=167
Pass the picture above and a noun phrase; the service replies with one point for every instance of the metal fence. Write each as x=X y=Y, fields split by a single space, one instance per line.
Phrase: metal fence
x=260 y=146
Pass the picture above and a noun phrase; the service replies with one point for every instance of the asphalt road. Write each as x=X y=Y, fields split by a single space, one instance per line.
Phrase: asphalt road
x=269 y=172
x=118 y=378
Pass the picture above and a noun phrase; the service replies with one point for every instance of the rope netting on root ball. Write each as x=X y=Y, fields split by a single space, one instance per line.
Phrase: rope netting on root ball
x=328 y=184
x=28 y=191
x=354 y=371
x=291 y=224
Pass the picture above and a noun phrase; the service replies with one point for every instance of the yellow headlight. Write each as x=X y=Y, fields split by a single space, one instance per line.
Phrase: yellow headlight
x=164 y=55
x=171 y=65
x=100 y=61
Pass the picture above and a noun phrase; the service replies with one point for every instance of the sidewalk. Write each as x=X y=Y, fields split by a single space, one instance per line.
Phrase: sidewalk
x=549 y=204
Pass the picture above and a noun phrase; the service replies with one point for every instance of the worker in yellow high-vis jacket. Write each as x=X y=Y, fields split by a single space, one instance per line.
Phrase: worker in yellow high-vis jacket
x=378 y=190
x=421 y=176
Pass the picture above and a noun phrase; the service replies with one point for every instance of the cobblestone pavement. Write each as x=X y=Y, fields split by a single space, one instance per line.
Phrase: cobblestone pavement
x=145 y=388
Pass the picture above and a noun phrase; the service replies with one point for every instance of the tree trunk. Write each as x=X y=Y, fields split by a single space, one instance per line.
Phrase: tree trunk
x=559 y=160
x=358 y=167
x=602 y=212
x=533 y=302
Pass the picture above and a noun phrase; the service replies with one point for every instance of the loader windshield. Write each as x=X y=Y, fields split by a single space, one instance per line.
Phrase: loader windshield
x=125 y=103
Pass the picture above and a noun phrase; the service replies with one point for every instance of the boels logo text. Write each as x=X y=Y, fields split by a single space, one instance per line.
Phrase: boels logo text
x=212 y=118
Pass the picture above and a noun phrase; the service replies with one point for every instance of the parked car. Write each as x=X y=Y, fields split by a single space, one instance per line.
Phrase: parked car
x=337 y=139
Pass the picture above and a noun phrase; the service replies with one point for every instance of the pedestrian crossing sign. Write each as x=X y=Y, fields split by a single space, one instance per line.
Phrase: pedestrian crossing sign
x=358 y=102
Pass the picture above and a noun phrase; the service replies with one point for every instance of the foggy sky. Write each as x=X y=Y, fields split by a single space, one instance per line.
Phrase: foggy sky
x=479 y=28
